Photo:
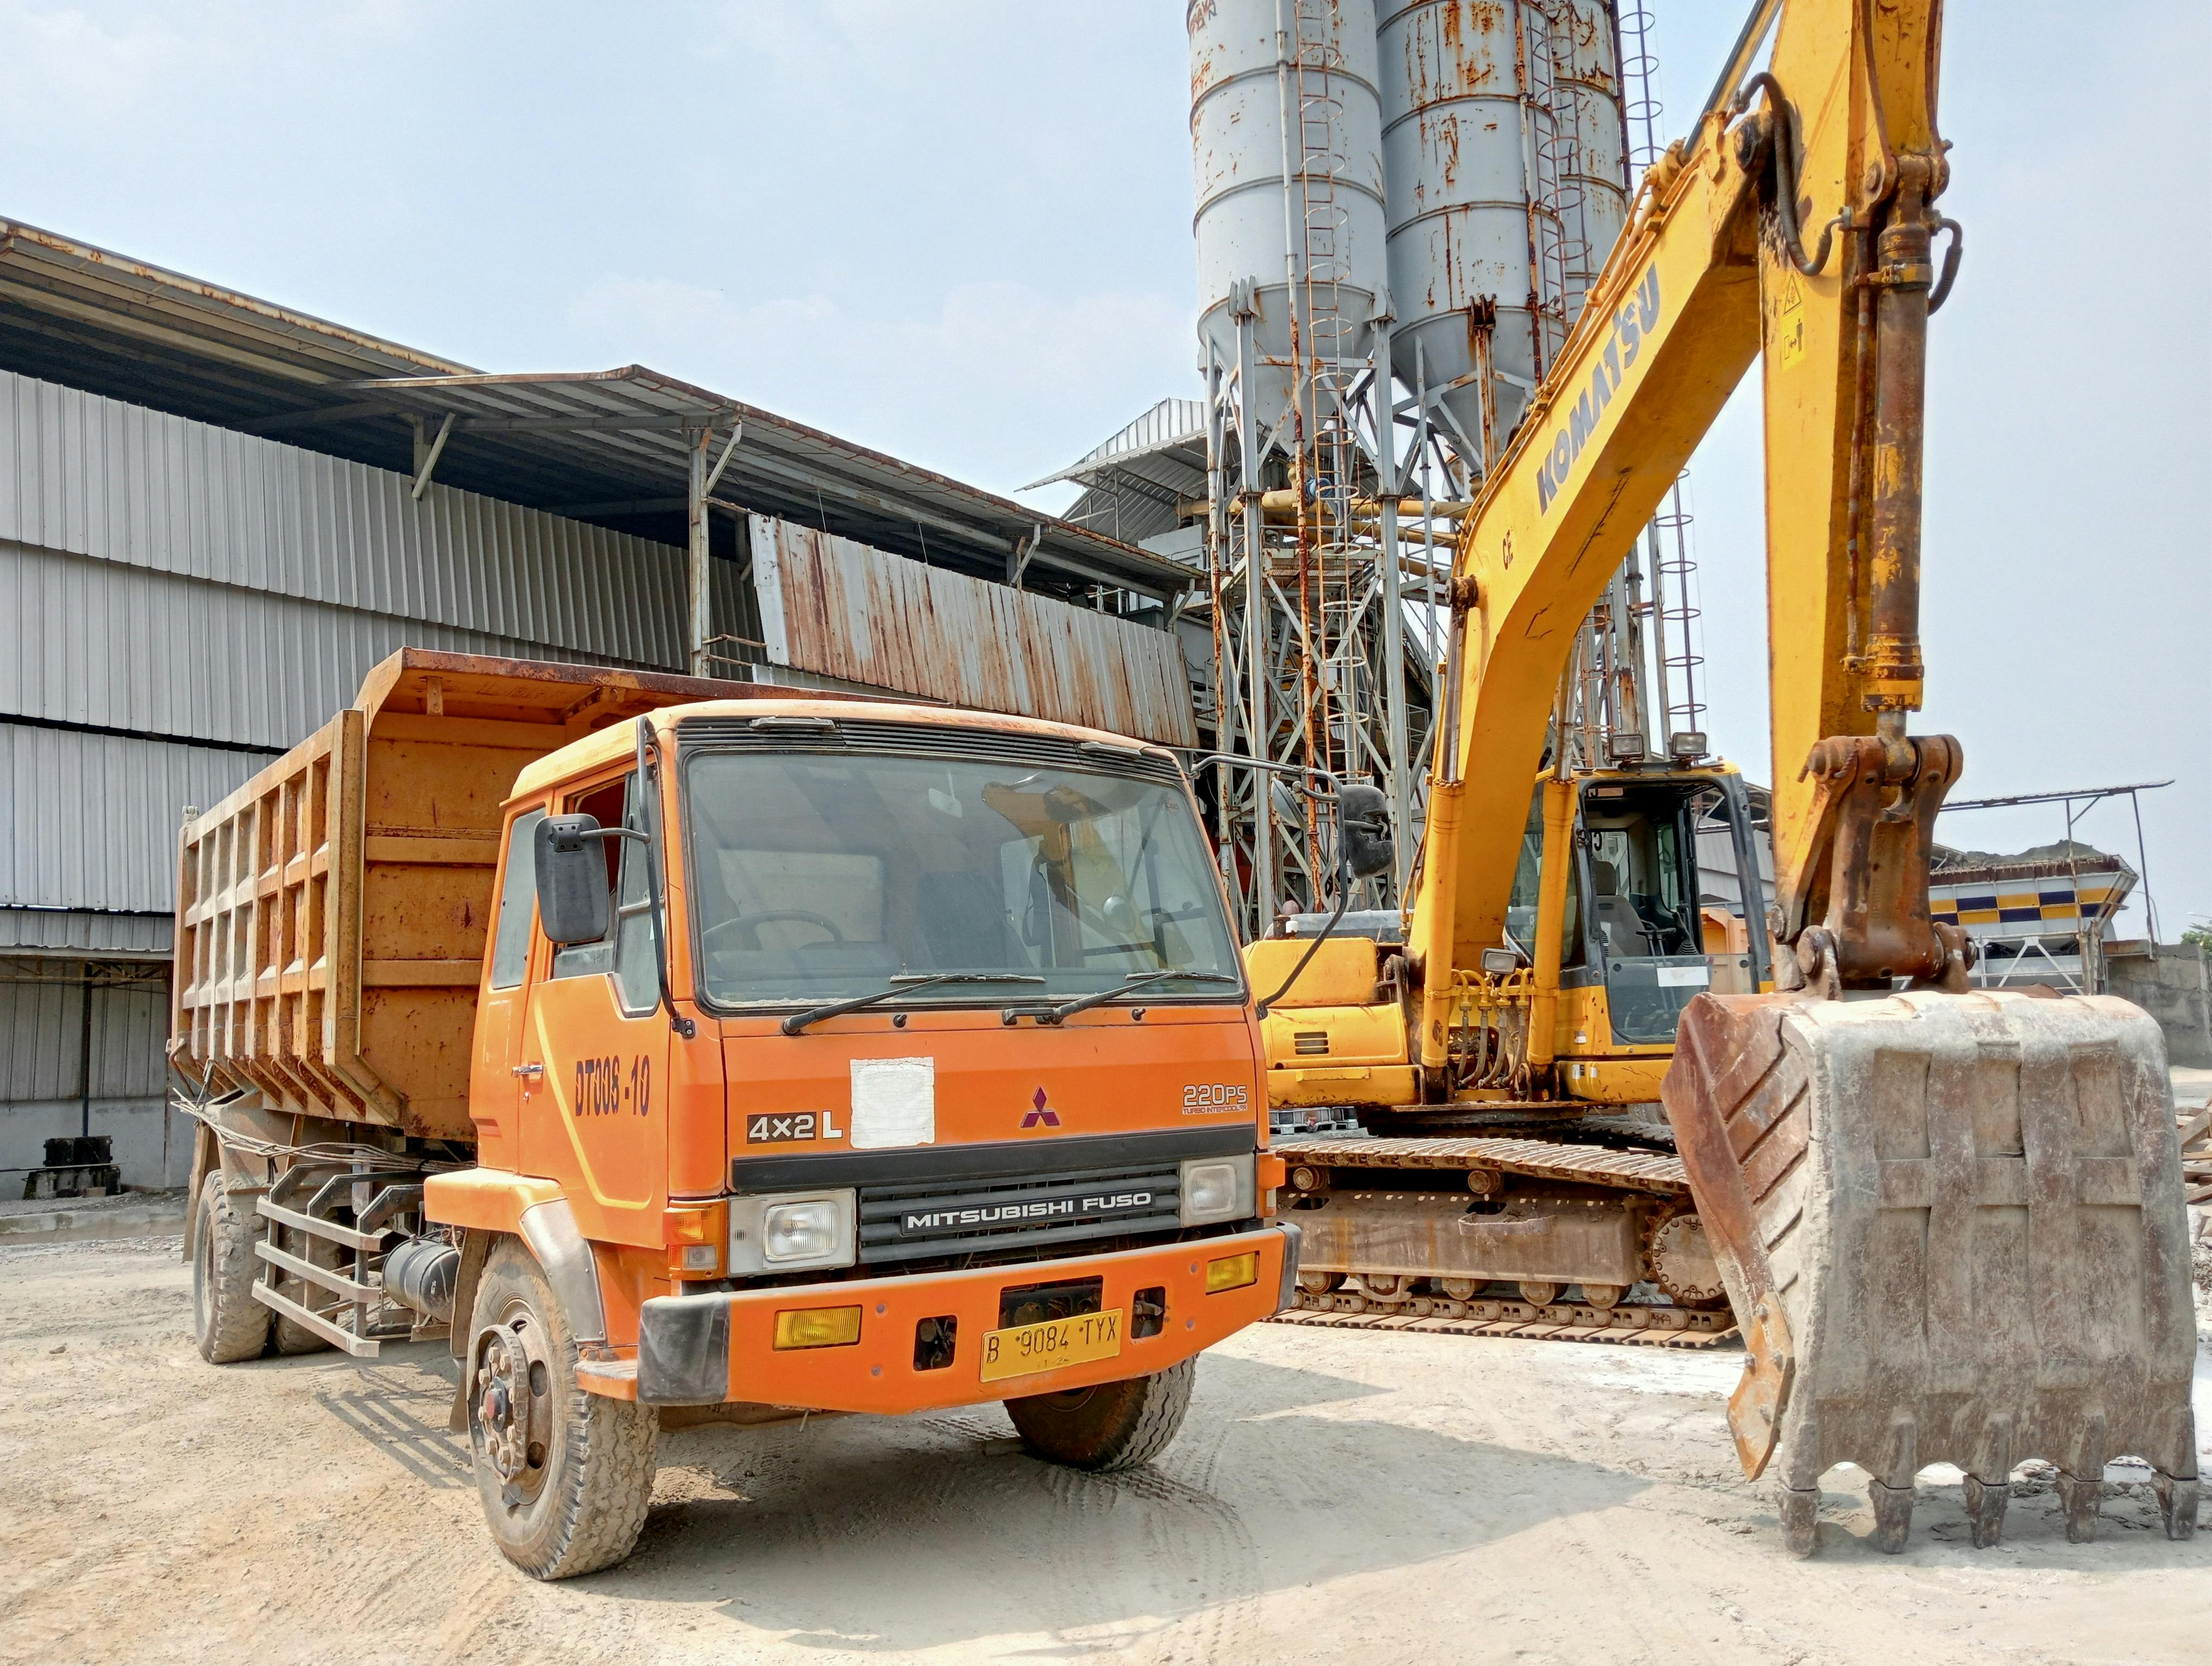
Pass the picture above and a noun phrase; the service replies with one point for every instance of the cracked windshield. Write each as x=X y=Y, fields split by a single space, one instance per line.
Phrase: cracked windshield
x=820 y=875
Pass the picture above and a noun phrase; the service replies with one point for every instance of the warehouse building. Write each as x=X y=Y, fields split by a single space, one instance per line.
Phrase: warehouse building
x=217 y=514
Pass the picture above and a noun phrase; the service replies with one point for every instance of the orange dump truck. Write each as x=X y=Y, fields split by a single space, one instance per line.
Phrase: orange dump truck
x=677 y=1043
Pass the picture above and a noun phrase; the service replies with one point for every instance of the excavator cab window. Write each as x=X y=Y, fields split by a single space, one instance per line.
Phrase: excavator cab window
x=1637 y=870
x=1528 y=877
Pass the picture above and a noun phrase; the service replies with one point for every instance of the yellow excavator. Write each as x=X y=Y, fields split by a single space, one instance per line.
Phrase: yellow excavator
x=1946 y=1223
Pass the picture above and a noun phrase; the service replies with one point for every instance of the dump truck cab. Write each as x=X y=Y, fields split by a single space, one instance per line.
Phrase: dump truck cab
x=943 y=1034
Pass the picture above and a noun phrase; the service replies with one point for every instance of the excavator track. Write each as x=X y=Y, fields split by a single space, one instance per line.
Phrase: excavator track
x=1638 y=1326
x=1652 y=1192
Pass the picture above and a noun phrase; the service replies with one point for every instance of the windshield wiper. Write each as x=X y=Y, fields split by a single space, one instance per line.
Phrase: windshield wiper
x=903 y=985
x=1067 y=1010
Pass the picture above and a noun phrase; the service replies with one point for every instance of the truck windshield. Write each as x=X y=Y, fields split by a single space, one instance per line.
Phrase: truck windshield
x=818 y=875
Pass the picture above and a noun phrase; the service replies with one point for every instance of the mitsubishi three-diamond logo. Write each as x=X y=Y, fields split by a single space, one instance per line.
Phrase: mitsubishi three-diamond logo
x=1044 y=1114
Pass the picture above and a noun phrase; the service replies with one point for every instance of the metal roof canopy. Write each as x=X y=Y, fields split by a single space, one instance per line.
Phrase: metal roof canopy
x=1137 y=482
x=617 y=447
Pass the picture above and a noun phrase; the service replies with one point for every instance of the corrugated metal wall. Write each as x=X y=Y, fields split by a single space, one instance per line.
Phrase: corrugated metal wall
x=114 y=646
x=186 y=584
x=94 y=476
x=42 y=1039
x=89 y=821
x=843 y=610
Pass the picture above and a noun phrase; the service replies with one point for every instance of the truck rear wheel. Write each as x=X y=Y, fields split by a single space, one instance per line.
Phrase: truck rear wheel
x=1112 y=1425
x=564 y=1475
x=228 y=1323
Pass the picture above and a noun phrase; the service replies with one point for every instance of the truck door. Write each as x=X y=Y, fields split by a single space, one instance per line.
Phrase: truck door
x=497 y=1089
x=599 y=1123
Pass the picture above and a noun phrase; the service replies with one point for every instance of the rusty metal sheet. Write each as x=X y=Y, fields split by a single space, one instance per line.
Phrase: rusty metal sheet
x=840 y=609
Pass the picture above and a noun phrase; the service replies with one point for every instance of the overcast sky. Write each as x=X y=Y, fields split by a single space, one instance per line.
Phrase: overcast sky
x=961 y=232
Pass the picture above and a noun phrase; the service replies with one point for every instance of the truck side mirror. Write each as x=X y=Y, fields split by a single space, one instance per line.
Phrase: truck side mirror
x=1363 y=818
x=572 y=879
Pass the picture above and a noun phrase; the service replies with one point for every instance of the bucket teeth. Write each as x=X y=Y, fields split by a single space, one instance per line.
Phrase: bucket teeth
x=2079 y=1496
x=1892 y=1516
x=1800 y=1511
x=1985 y=1510
x=2176 y=1503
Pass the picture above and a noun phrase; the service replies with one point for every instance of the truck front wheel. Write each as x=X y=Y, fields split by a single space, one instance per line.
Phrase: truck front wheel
x=1111 y=1426
x=228 y=1323
x=564 y=1475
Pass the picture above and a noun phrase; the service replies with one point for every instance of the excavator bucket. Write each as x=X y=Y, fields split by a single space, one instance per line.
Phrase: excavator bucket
x=1953 y=1229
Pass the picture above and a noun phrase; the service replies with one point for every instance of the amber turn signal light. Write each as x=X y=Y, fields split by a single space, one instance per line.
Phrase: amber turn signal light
x=694 y=1234
x=818 y=1328
x=1232 y=1272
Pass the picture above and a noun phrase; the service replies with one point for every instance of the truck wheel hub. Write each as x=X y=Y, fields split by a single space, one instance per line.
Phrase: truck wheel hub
x=513 y=1402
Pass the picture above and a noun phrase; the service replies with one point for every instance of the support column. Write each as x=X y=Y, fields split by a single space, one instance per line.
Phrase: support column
x=1259 y=729
x=1393 y=614
x=698 y=614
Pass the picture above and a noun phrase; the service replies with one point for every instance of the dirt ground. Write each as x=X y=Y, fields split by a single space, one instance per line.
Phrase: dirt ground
x=1334 y=1496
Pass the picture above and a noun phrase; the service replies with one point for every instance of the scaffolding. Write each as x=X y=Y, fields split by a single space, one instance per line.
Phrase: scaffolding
x=1331 y=519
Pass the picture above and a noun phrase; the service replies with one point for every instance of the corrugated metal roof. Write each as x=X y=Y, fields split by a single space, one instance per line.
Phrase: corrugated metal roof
x=74 y=313
x=632 y=423
x=89 y=821
x=1170 y=425
x=1135 y=482
x=840 y=609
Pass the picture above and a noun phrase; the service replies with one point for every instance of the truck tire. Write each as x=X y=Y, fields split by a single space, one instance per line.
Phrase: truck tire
x=290 y=1336
x=1112 y=1425
x=228 y=1323
x=565 y=1476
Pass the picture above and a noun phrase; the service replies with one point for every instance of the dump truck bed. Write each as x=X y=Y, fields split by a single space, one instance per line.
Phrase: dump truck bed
x=332 y=912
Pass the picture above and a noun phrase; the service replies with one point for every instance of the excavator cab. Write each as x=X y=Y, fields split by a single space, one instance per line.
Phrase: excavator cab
x=1638 y=856
x=1649 y=924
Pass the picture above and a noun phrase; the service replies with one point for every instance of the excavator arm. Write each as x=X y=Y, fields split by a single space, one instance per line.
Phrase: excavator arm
x=1839 y=134
x=1949 y=1222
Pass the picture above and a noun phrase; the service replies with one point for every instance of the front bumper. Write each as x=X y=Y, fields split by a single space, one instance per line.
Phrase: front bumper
x=711 y=1349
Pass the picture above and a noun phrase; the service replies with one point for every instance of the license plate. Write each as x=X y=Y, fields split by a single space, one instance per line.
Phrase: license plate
x=1026 y=1349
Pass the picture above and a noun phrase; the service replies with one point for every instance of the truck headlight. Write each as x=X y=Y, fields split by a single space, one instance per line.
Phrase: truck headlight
x=791 y=1232
x=799 y=1231
x=1216 y=1188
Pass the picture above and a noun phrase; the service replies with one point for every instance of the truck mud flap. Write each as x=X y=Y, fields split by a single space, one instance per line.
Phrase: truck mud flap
x=1952 y=1228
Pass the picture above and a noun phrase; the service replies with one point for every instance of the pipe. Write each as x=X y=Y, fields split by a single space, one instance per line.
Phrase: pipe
x=1285 y=501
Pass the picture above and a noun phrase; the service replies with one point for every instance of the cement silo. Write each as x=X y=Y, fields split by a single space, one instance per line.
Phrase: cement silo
x=1286 y=125
x=1504 y=157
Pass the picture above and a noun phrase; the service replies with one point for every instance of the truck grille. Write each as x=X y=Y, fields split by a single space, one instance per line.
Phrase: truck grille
x=931 y=1219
